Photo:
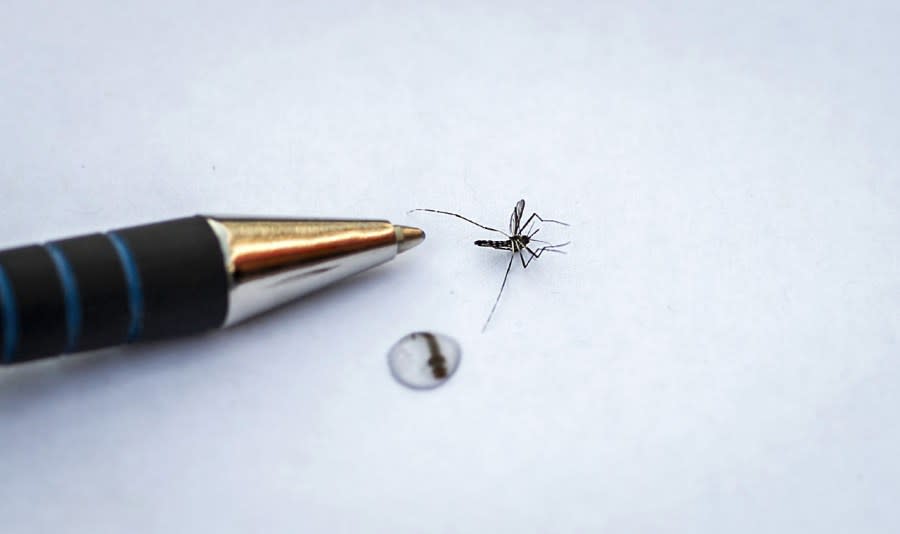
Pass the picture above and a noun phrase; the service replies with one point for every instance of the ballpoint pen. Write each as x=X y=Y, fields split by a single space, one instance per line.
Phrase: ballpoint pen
x=175 y=278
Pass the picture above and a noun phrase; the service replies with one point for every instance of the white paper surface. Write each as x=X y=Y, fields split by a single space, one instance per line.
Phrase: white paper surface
x=716 y=353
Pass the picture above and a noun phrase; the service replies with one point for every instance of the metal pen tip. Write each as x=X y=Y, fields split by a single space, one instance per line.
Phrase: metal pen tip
x=408 y=237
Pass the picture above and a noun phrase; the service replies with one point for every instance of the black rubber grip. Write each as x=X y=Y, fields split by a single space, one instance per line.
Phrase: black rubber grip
x=147 y=282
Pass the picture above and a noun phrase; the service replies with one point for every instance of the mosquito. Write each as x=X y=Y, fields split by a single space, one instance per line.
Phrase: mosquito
x=437 y=361
x=517 y=241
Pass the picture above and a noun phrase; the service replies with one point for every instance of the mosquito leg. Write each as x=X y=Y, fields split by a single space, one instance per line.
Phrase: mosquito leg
x=522 y=257
x=503 y=285
x=537 y=254
x=538 y=217
x=524 y=229
x=534 y=256
x=458 y=216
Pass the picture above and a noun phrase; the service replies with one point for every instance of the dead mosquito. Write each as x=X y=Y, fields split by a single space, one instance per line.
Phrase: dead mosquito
x=517 y=241
x=437 y=361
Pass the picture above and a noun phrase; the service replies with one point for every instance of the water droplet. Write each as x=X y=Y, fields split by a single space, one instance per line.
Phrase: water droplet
x=423 y=360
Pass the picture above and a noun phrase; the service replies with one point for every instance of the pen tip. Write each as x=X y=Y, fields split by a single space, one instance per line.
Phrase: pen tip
x=408 y=237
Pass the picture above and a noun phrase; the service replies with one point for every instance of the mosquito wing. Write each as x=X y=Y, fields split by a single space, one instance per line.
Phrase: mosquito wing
x=516 y=218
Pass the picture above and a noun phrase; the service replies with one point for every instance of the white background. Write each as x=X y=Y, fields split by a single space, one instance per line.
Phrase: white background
x=717 y=352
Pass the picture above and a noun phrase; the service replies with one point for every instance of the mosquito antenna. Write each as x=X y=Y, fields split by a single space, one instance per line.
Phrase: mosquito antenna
x=497 y=301
x=458 y=216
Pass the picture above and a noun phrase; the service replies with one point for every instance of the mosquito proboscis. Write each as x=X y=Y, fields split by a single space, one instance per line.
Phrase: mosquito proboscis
x=518 y=241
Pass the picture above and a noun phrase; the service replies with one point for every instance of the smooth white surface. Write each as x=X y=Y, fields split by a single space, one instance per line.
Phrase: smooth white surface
x=717 y=353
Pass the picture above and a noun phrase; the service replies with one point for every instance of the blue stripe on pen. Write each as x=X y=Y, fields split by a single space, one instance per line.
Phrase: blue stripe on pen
x=133 y=281
x=71 y=296
x=10 y=317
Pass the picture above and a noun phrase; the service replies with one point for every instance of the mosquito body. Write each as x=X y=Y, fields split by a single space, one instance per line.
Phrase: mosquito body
x=518 y=241
x=509 y=244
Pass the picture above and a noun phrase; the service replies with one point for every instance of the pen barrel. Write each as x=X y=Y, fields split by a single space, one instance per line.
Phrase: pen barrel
x=139 y=283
